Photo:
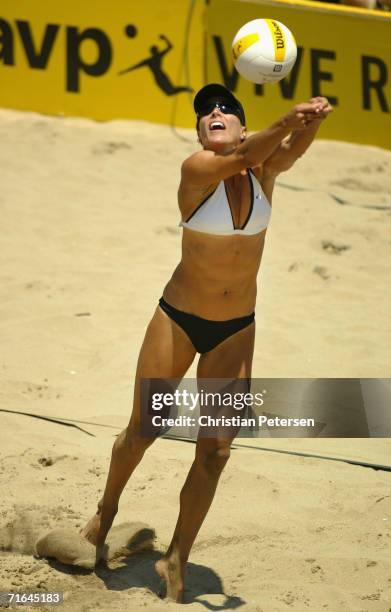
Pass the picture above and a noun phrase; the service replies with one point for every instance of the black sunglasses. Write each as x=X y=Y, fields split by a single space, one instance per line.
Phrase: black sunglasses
x=224 y=107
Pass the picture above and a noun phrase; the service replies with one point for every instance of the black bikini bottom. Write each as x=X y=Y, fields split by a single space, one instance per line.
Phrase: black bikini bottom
x=203 y=333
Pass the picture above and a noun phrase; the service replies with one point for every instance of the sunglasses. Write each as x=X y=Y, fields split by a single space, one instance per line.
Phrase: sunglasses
x=224 y=107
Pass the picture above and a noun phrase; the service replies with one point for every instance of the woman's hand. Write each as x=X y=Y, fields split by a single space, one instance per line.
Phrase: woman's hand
x=302 y=115
x=324 y=107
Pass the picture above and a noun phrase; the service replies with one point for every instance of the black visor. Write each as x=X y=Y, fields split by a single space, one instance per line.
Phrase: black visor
x=217 y=91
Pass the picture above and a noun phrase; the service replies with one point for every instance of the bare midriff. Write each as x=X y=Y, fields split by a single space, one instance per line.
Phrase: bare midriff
x=216 y=278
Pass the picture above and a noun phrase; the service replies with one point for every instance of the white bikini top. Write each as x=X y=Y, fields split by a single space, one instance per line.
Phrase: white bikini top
x=214 y=215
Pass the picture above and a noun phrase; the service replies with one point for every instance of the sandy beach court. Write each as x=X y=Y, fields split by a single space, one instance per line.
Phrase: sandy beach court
x=89 y=238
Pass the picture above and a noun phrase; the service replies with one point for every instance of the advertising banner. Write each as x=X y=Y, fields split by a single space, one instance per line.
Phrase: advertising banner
x=101 y=60
x=146 y=60
x=343 y=54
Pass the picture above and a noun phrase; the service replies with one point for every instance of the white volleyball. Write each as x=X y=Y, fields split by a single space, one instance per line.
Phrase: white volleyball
x=264 y=51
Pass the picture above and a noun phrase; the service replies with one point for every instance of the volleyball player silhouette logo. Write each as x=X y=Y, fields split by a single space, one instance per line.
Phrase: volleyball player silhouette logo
x=154 y=63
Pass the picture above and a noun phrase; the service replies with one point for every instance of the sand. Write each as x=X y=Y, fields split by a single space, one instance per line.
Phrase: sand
x=89 y=239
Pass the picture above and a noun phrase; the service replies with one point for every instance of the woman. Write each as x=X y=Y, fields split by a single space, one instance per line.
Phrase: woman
x=208 y=305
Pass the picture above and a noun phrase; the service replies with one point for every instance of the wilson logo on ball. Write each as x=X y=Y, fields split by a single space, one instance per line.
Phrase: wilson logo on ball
x=278 y=39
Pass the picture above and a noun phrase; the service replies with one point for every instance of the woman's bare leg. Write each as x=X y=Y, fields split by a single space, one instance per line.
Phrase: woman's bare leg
x=230 y=359
x=165 y=353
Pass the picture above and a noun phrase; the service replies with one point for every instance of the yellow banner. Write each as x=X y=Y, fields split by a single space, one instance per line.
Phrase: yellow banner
x=145 y=60
x=343 y=54
x=102 y=59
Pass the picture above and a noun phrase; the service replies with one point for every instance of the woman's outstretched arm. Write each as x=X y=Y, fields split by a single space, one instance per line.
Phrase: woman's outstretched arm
x=296 y=144
x=206 y=166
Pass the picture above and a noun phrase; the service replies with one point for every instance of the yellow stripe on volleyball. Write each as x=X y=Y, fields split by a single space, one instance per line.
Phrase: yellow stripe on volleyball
x=244 y=43
x=279 y=41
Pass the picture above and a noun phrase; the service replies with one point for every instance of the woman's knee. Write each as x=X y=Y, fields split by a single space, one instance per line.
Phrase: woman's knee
x=214 y=458
x=132 y=441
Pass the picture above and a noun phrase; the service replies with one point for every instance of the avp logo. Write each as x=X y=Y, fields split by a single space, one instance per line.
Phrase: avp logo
x=38 y=56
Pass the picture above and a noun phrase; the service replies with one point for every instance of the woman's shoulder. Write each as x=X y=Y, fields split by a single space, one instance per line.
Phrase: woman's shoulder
x=195 y=160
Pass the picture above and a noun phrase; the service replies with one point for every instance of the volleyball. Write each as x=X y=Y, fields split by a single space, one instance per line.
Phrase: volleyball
x=264 y=51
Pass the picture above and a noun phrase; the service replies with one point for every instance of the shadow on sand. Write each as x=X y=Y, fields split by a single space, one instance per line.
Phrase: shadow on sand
x=137 y=571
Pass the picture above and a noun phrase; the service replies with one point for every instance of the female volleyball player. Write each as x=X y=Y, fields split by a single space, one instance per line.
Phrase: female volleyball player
x=208 y=305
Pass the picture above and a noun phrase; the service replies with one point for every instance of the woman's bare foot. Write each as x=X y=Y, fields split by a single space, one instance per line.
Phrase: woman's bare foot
x=91 y=530
x=99 y=525
x=92 y=533
x=172 y=572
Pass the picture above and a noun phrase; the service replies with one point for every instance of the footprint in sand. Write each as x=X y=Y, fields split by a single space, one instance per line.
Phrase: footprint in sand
x=321 y=271
x=70 y=548
x=110 y=147
x=333 y=248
